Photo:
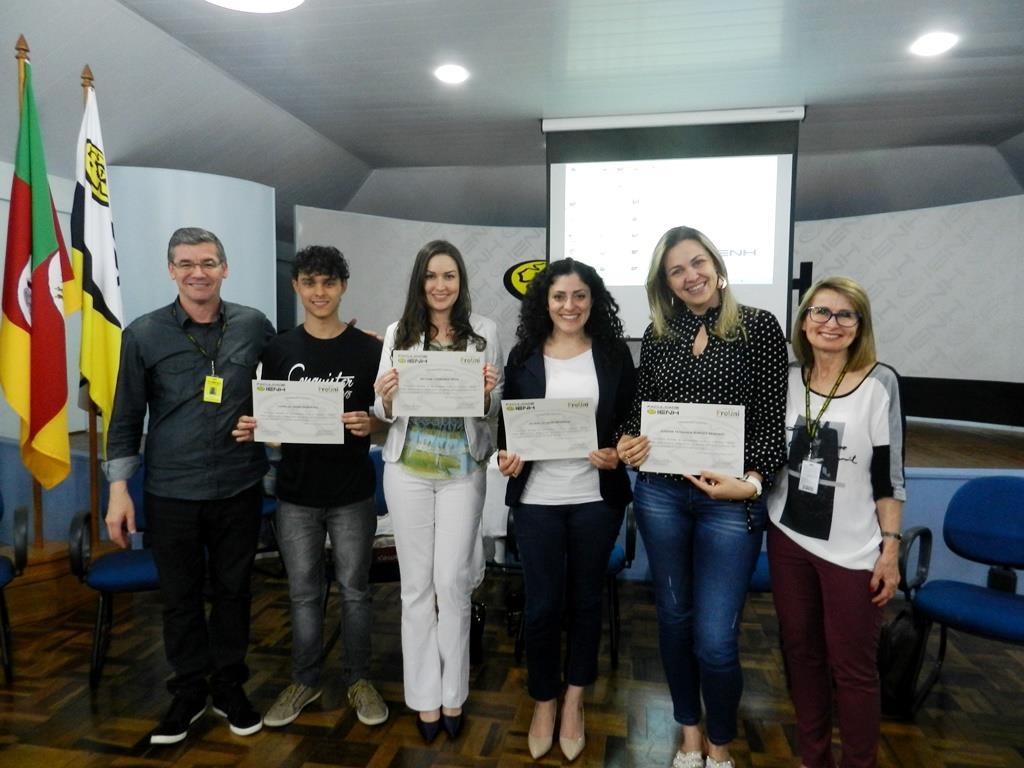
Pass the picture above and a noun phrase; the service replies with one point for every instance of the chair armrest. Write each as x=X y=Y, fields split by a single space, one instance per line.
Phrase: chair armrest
x=20 y=539
x=80 y=544
x=923 y=538
x=630 y=535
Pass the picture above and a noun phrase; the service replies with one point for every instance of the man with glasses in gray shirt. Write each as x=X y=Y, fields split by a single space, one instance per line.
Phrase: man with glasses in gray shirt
x=191 y=365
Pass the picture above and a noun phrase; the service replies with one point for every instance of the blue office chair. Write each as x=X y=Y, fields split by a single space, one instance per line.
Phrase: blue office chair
x=118 y=572
x=8 y=570
x=984 y=523
x=621 y=558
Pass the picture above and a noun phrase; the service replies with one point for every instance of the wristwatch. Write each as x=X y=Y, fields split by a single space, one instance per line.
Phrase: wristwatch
x=748 y=478
x=892 y=535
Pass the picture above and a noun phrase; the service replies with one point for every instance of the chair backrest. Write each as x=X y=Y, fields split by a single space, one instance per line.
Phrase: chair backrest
x=985 y=521
x=378 y=468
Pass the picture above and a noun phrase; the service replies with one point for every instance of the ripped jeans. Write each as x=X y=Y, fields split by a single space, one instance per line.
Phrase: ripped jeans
x=701 y=557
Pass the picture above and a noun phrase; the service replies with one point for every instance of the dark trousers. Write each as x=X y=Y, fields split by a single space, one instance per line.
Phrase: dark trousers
x=189 y=539
x=829 y=629
x=564 y=550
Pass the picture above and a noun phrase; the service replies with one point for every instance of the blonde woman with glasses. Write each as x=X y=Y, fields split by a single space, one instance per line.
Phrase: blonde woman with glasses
x=834 y=536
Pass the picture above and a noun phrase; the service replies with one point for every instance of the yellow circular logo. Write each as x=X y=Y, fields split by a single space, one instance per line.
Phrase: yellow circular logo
x=519 y=276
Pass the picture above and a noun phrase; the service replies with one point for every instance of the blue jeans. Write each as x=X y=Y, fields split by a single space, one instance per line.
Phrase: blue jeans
x=701 y=557
x=564 y=549
x=301 y=533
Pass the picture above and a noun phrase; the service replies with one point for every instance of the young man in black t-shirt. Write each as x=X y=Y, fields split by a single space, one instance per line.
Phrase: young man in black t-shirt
x=326 y=489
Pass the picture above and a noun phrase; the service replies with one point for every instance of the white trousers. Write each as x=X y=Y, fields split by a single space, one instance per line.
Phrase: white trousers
x=440 y=553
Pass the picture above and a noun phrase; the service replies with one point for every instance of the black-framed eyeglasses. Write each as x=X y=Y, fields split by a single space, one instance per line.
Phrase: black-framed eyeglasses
x=847 y=318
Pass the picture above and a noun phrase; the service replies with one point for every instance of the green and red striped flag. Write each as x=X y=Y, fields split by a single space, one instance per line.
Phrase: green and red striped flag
x=33 y=366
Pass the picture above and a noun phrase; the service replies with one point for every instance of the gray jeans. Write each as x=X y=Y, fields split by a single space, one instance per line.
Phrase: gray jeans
x=301 y=535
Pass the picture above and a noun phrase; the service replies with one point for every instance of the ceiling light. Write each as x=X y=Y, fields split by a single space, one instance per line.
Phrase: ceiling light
x=258 y=6
x=453 y=74
x=934 y=43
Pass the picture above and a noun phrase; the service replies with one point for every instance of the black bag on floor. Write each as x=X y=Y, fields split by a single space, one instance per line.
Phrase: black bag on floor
x=900 y=654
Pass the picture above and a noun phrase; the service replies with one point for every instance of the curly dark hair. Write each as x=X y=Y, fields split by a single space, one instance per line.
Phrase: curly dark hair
x=415 y=321
x=603 y=326
x=320 y=260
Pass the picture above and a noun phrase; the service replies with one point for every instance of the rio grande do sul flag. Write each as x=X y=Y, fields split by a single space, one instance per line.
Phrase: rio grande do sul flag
x=33 y=369
x=95 y=263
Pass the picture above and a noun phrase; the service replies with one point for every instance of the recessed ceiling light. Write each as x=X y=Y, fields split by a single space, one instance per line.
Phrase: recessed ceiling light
x=258 y=6
x=934 y=43
x=453 y=74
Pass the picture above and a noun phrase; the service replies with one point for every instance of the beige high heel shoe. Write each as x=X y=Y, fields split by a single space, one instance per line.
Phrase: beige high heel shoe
x=540 y=745
x=572 y=748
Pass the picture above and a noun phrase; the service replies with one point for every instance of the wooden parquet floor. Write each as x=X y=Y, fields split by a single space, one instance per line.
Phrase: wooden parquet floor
x=50 y=719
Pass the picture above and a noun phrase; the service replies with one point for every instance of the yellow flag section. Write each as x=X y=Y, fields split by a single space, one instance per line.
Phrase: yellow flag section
x=95 y=263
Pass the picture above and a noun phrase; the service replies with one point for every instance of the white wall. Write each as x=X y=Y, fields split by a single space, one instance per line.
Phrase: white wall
x=945 y=284
x=150 y=203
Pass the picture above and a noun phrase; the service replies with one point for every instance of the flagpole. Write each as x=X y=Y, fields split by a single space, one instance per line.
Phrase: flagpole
x=94 y=480
x=21 y=54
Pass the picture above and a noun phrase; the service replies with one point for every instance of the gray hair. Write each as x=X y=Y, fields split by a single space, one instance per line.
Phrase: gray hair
x=194 y=236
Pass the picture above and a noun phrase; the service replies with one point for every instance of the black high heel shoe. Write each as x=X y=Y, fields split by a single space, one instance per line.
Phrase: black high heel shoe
x=452 y=724
x=427 y=730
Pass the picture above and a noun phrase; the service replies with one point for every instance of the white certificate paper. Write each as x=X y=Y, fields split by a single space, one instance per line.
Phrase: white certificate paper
x=298 y=411
x=555 y=428
x=439 y=383
x=687 y=438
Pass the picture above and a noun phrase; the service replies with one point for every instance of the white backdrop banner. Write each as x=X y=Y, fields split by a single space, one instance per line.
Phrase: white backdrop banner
x=380 y=252
x=945 y=284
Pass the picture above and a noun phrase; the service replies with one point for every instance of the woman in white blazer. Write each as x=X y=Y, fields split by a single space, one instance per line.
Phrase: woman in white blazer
x=434 y=483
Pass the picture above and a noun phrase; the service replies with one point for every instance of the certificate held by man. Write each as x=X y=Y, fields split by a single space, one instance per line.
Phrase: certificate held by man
x=550 y=428
x=298 y=411
x=439 y=383
x=687 y=438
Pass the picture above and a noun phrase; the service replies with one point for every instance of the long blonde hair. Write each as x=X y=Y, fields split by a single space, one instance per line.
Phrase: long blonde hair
x=862 y=351
x=664 y=303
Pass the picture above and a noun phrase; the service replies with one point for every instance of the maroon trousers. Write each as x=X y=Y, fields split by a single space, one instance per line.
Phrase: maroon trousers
x=829 y=629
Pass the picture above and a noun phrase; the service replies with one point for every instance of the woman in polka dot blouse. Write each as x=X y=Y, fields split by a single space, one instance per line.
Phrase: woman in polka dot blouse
x=703 y=532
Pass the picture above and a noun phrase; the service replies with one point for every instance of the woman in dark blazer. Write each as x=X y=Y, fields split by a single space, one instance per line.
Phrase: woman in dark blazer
x=568 y=511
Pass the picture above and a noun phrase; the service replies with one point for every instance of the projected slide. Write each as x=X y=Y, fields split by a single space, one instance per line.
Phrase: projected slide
x=611 y=215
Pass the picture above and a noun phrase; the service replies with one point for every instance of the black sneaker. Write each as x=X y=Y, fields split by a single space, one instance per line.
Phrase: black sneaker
x=185 y=710
x=233 y=704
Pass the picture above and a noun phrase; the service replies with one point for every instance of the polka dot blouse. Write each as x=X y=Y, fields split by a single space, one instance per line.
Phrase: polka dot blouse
x=750 y=372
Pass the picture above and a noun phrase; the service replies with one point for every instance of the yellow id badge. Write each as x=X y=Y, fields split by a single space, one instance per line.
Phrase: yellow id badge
x=213 y=387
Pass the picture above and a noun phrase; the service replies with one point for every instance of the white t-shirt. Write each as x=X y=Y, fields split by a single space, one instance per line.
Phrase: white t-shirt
x=858 y=451
x=566 y=481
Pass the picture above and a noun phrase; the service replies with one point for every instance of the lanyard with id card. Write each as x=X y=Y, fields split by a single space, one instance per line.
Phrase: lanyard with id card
x=810 y=468
x=213 y=385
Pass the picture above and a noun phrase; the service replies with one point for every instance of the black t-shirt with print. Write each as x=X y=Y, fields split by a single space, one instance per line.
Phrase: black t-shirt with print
x=326 y=475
